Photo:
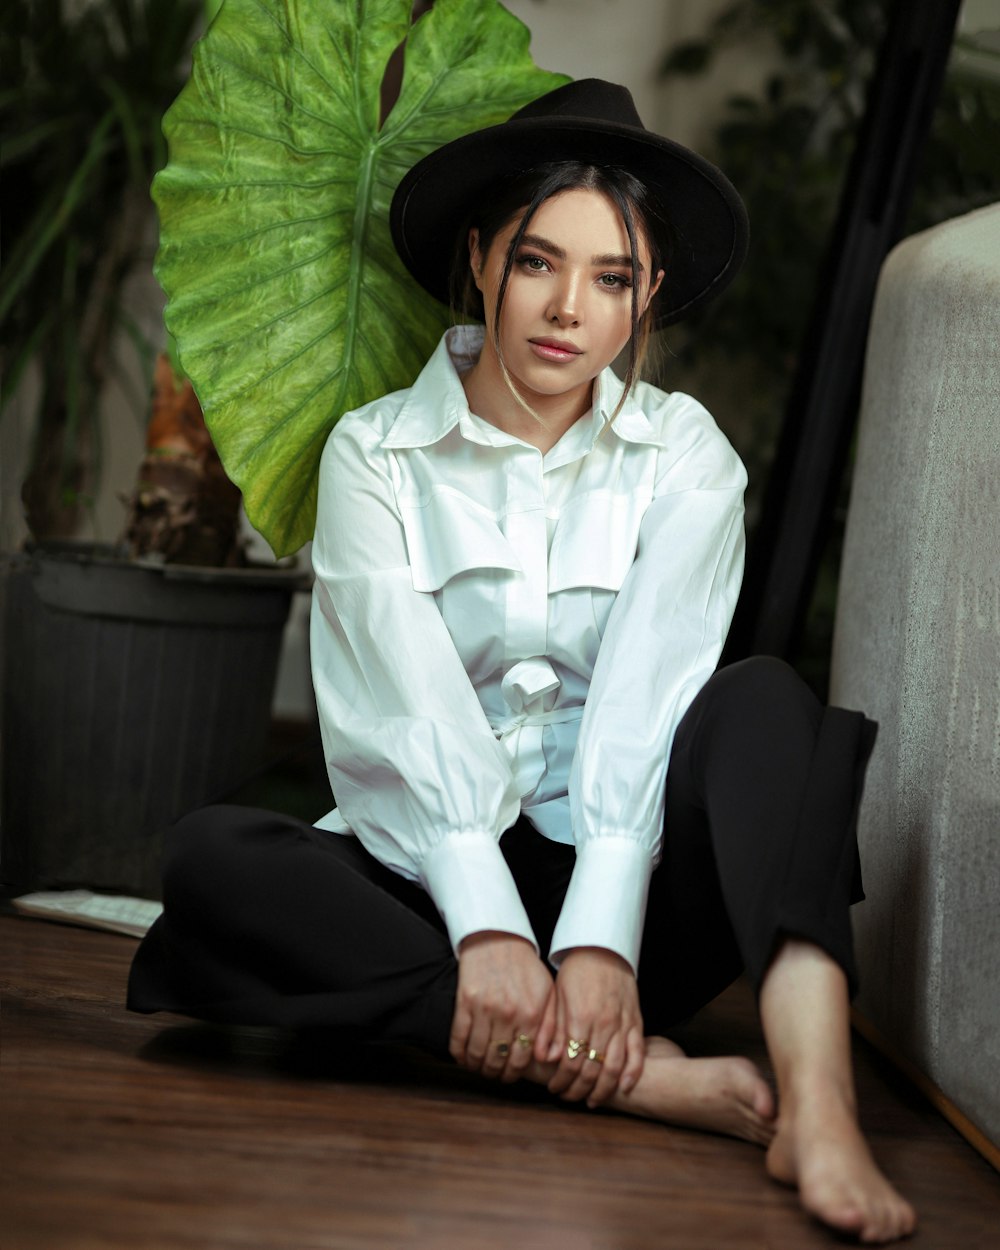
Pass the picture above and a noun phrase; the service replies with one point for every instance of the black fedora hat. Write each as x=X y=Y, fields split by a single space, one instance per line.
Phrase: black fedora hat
x=594 y=122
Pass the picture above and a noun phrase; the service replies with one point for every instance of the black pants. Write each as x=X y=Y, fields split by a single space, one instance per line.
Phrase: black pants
x=270 y=921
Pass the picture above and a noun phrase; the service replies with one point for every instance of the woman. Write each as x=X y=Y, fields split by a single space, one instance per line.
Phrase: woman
x=525 y=572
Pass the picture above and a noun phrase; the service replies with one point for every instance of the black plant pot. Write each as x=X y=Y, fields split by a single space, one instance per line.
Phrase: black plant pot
x=132 y=693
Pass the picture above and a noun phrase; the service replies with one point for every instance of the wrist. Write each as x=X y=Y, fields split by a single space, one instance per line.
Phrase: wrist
x=600 y=954
x=491 y=937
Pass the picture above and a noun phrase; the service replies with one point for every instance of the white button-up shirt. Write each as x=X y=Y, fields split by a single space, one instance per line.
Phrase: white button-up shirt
x=495 y=630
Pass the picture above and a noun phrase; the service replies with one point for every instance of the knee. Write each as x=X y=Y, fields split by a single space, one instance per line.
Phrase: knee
x=200 y=852
x=757 y=692
x=764 y=677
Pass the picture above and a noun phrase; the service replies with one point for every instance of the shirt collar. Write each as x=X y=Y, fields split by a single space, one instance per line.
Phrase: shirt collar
x=436 y=402
x=631 y=424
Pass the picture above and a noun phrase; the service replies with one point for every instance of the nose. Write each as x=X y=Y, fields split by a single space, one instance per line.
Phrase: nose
x=565 y=303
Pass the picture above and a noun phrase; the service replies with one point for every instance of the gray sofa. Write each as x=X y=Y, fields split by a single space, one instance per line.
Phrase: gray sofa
x=917 y=646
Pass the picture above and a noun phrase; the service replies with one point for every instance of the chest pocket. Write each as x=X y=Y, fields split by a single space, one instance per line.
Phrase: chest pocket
x=447 y=534
x=595 y=540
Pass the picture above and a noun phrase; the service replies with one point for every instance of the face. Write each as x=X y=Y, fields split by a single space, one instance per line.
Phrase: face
x=567 y=311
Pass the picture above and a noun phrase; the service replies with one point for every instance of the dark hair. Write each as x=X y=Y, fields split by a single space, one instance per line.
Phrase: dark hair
x=525 y=195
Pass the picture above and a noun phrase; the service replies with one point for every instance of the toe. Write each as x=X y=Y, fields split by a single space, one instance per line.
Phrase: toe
x=763 y=1101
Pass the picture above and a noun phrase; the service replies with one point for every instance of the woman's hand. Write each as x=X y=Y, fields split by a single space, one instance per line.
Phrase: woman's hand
x=597 y=1004
x=503 y=992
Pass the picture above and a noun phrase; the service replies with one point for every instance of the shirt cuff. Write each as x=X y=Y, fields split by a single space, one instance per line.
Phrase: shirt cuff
x=472 y=887
x=605 y=904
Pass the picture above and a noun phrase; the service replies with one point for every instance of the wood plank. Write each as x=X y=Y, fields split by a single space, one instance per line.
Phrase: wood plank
x=128 y=1131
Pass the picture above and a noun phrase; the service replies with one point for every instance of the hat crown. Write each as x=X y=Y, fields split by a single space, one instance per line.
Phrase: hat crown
x=592 y=99
x=590 y=122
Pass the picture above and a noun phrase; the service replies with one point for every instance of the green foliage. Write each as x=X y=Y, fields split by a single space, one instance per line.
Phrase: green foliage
x=787 y=150
x=81 y=125
x=286 y=297
x=960 y=168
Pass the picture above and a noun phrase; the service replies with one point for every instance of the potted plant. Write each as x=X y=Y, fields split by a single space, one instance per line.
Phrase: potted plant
x=288 y=307
x=88 y=85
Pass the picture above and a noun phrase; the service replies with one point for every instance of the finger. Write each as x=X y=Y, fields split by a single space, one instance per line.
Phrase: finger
x=547 y=1028
x=635 y=1058
x=566 y=1069
x=557 y=1046
x=593 y=1061
x=524 y=1050
x=498 y=1052
x=580 y=1088
x=498 y=1046
x=571 y=1062
x=501 y=1041
x=459 y=1038
x=521 y=1049
x=479 y=1040
x=609 y=1071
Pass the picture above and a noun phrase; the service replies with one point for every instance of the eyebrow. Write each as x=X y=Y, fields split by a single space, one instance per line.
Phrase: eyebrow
x=623 y=261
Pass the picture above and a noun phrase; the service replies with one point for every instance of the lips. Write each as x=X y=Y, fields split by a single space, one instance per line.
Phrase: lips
x=559 y=350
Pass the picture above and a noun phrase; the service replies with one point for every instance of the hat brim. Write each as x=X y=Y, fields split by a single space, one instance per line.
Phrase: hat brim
x=709 y=229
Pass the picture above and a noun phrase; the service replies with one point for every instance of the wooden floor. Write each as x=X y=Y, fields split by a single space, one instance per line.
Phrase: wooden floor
x=126 y=1131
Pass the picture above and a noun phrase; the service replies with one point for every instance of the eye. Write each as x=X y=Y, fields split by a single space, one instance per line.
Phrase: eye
x=614 y=281
x=534 y=264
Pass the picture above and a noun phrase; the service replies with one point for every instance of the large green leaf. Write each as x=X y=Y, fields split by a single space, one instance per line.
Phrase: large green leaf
x=286 y=297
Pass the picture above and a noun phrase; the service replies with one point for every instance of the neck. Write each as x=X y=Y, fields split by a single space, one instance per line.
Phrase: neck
x=491 y=398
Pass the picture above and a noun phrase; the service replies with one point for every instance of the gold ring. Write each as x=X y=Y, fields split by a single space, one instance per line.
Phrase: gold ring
x=574 y=1047
x=523 y=1040
x=595 y=1055
x=502 y=1049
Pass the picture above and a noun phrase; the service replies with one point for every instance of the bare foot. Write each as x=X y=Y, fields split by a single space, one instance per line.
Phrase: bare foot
x=819 y=1148
x=726 y=1095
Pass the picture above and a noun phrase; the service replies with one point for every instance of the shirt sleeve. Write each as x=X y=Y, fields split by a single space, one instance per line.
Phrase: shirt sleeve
x=415 y=768
x=663 y=640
